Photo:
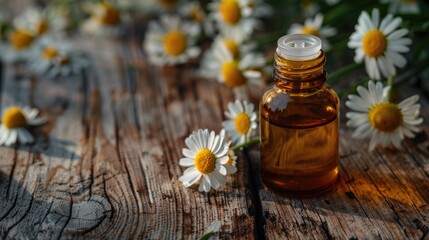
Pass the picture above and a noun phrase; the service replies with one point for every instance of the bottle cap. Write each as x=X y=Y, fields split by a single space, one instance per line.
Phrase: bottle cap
x=299 y=47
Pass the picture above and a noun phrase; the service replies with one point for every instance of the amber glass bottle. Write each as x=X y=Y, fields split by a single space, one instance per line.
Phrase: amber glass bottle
x=299 y=117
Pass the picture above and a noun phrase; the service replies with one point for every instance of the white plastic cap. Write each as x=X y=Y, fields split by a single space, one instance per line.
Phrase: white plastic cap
x=299 y=47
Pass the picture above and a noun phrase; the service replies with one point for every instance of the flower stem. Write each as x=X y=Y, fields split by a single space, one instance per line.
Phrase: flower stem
x=206 y=236
x=336 y=76
x=248 y=143
x=390 y=85
x=390 y=81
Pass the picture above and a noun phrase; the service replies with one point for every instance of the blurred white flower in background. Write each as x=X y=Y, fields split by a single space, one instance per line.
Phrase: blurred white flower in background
x=314 y=27
x=171 y=41
x=380 y=44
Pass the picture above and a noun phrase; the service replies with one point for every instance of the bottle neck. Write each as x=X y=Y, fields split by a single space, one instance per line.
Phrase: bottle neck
x=306 y=75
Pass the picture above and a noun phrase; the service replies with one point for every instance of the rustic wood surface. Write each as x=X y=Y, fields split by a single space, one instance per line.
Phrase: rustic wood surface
x=106 y=165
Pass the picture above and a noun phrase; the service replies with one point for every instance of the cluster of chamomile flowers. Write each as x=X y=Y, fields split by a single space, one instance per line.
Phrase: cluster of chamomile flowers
x=173 y=39
x=36 y=41
x=208 y=157
x=381 y=45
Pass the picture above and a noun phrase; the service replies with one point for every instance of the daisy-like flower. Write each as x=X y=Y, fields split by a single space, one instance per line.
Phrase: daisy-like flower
x=403 y=6
x=241 y=121
x=382 y=121
x=194 y=12
x=171 y=41
x=55 y=57
x=234 y=18
x=232 y=159
x=14 y=123
x=234 y=72
x=32 y=20
x=206 y=156
x=105 y=20
x=380 y=44
x=314 y=27
x=21 y=46
x=39 y=22
x=235 y=47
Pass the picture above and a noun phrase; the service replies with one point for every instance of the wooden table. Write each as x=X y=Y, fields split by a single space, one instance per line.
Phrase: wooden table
x=106 y=165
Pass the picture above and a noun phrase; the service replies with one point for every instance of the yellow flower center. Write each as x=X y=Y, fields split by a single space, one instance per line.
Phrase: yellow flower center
x=205 y=161
x=175 y=43
x=168 y=3
x=374 y=43
x=50 y=53
x=232 y=47
x=42 y=27
x=385 y=117
x=310 y=30
x=13 y=118
x=232 y=75
x=230 y=11
x=109 y=15
x=242 y=123
x=21 y=39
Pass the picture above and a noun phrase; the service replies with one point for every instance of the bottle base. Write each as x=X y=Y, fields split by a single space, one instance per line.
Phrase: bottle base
x=281 y=189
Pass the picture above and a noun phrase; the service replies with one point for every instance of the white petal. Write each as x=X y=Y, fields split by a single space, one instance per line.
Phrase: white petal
x=186 y=162
x=230 y=169
x=392 y=26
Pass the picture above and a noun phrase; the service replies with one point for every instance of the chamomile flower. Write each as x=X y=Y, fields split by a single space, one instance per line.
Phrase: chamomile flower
x=105 y=20
x=56 y=57
x=234 y=18
x=15 y=120
x=20 y=47
x=382 y=121
x=232 y=159
x=241 y=121
x=171 y=41
x=233 y=72
x=403 y=6
x=235 y=47
x=379 y=44
x=195 y=13
x=205 y=156
x=314 y=27
x=33 y=21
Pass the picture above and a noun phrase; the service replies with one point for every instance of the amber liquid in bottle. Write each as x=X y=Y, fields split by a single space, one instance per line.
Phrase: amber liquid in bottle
x=299 y=118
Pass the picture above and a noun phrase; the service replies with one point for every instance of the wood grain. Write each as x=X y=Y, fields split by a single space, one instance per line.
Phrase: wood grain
x=106 y=165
